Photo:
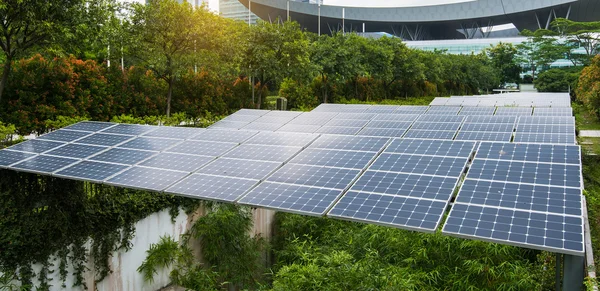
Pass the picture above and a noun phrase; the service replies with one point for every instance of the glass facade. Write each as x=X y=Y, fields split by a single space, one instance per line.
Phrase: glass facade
x=235 y=10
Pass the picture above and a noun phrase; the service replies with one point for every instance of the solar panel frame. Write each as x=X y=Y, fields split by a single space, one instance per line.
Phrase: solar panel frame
x=514 y=111
x=551 y=129
x=487 y=111
x=494 y=119
x=566 y=120
x=553 y=111
x=90 y=126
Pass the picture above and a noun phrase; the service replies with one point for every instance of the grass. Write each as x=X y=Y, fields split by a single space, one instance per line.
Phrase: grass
x=584 y=119
x=590 y=145
x=405 y=101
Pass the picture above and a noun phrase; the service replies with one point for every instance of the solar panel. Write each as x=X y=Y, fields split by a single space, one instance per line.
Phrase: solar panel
x=525 y=172
x=426 y=125
x=88 y=170
x=484 y=136
x=122 y=156
x=76 y=151
x=235 y=136
x=282 y=113
x=263 y=152
x=488 y=111
x=430 y=134
x=542 y=231
x=397 y=211
x=273 y=119
x=538 y=128
x=441 y=118
x=491 y=119
x=567 y=120
x=63 y=135
x=383 y=109
x=245 y=111
x=439 y=101
x=545 y=153
x=263 y=126
x=497 y=127
x=338 y=130
x=8 y=158
x=318 y=176
x=416 y=164
x=388 y=124
x=350 y=143
x=449 y=110
x=202 y=148
x=351 y=115
x=90 y=126
x=177 y=162
x=334 y=158
x=229 y=124
x=406 y=109
x=226 y=189
x=241 y=118
x=103 y=139
x=129 y=129
x=553 y=111
x=36 y=146
x=174 y=132
x=282 y=138
x=150 y=144
x=382 y=132
x=513 y=111
x=291 y=198
x=545 y=138
x=44 y=164
x=558 y=200
x=313 y=119
x=409 y=185
x=431 y=147
x=347 y=122
x=146 y=178
x=303 y=128
x=249 y=169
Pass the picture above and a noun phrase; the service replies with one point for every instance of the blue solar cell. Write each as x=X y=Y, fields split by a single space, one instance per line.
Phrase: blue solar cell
x=382 y=132
x=273 y=119
x=555 y=233
x=558 y=200
x=292 y=198
x=525 y=172
x=36 y=146
x=122 y=156
x=383 y=109
x=130 y=129
x=313 y=119
x=553 y=138
x=90 y=126
x=177 y=162
x=318 y=176
x=431 y=147
x=64 y=135
x=396 y=211
x=202 y=148
x=491 y=119
x=514 y=111
x=334 y=158
x=430 y=134
x=347 y=122
x=441 y=118
x=388 y=124
x=263 y=126
x=88 y=170
x=150 y=144
x=217 y=188
x=554 y=128
x=350 y=143
x=44 y=164
x=282 y=138
x=249 y=169
x=415 y=186
x=427 y=125
x=449 y=110
x=404 y=109
x=477 y=111
x=76 y=151
x=338 y=130
x=235 y=136
x=547 y=120
x=546 y=153
x=415 y=164
x=103 y=139
x=355 y=115
x=553 y=111
x=263 y=152
x=497 y=127
x=146 y=178
x=396 y=117
x=299 y=128
x=8 y=158
x=484 y=136
x=174 y=132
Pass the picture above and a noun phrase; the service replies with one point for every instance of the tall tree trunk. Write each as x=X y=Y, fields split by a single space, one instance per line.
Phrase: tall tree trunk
x=169 y=95
x=4 y=79
x=259 y=98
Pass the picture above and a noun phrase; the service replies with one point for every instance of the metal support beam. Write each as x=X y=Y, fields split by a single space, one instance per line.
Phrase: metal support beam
x=558 y=270
x=573 y=272
x=568 y=12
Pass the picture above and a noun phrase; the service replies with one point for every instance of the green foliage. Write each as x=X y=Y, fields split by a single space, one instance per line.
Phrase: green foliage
x=588 y=86
x=503 y=58
x=557 y=80
x=6 y=132
x=298 y=95
x=62 y=121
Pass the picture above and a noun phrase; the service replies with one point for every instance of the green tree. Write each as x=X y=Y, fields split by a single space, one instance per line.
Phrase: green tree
x=579 y=34
x=503 y=58
x=30 y=23
x=588 y=86
x=540 y=50
x=557 y=80
x=403 y=64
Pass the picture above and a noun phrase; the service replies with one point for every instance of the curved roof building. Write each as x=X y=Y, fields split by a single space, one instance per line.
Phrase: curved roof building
x=459 y=19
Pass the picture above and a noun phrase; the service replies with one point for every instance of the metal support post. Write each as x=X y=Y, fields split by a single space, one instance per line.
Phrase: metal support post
x=573 y=272
x=558 y=270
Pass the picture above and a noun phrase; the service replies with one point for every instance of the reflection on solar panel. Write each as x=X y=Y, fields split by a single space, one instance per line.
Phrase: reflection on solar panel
x=44 y=164
x=388 y=124
x=543 y=153
x=350 y=143
x=514 y=111
x=484 y=136
x=383 y=132
x=263 y=126
x=402 y=212
x=63 y=135
x=491 y=119
x=129 y=129
x=382 y=109
x=314 y=119
x=553 y=111
x=318 y=176
x=90 y=126
x=449 y=110
x=334 y=158
x=76 y=151
x=282 y=138
x=299 y=128
x=497 y=127
x=524 y=172
x=94 y=171
x=202 y=148
x=241 y=118
x=347 y=122
x=146 y=178
x=149 y=144
x=538 y=128
x=416 y=164
x=430 y=134
x=441 y=118
x=103 y=139
x=426 y=125
x=263 y=152
x=36 y=146
x=543 y=231
x=122 y=156
x=547 y=120
x=8 y=158
x=477 y=111
x=177 y=162
x=293 y=198
x=246 y=111
x=174 y=132
x=281 y=113
x=339 y=130
x=443 y=148
x=396 y=117
x=249 y=169
x=234 y=136
x=409 y=185
x=229 y=124
x=273 y=119
x=217 y=188
x=361 y=116
x=545 y=138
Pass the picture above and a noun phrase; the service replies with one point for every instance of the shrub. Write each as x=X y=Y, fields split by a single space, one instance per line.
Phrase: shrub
x=557 y=80
x=588 y=88
x=298 y=95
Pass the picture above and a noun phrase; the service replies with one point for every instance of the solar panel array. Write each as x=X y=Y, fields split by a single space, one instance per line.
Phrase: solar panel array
x=397 y=166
